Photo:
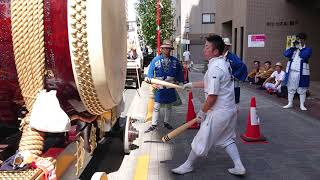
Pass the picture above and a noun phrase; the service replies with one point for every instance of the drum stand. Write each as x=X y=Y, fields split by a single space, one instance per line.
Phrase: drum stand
x=138 y=76
x=138 y=79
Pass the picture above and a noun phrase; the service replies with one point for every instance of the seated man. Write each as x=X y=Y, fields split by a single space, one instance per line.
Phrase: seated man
x=253 y=73
x=264 y=74
x=277 y=76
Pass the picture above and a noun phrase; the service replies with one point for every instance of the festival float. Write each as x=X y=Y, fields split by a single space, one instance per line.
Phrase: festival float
x=62 y=74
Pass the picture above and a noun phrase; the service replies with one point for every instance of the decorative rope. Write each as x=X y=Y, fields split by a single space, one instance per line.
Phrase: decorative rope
x=28 y=46
x=80 y=57
x=20 y=175
x=23 y=175
x=31 y=140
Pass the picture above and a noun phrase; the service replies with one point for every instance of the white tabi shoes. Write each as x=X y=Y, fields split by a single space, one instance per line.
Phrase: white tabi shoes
x=290 y=101
x=303 y=108
x=290 y=105
x=302 y=100
x=239 y=171
x=183 y=169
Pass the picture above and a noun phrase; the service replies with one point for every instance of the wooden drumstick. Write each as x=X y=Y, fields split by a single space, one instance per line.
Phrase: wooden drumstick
x=162 y=83
x=179 y=130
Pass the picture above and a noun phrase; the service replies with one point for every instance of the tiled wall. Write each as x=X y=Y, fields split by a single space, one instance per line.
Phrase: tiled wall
x=276 y=19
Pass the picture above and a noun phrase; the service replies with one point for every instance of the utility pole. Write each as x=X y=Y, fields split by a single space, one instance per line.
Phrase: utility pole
x=158 y=26
x=187 y=30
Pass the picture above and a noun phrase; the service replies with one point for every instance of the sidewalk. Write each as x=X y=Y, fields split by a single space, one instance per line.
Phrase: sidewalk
x=315 y=89
x=292 y=151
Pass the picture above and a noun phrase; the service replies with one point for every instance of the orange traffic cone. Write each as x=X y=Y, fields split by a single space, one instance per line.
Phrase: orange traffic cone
x=253 y=130
x=191 y=114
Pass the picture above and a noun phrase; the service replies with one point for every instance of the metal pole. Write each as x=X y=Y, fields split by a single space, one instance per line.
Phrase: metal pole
x=187 y=39
x=158 y=26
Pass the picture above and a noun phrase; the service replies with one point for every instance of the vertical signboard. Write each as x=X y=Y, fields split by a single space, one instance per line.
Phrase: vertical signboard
x=290 y=40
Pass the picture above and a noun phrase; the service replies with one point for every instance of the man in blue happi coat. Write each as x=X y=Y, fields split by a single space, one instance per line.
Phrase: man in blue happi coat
x=298 y=73
x=238 y=68
x=167 y=68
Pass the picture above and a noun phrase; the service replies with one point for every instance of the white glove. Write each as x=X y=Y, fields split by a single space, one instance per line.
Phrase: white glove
x=187 y=86
x=201 y=116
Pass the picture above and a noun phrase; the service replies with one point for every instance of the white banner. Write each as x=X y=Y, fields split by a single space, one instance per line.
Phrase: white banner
x=256 y=40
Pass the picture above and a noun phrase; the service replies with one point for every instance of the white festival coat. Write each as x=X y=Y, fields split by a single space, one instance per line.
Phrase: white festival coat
x=218 y=129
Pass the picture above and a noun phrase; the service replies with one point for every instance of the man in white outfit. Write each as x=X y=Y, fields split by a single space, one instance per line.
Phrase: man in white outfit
x=277 y=76
x=218 y=114
x=298 y=73
x=186 y=65
x=186 y=55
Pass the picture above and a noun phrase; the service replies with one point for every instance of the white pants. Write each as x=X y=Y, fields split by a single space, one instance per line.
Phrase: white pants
x=218 y=129
x=273 y=87
x=156 y=112
x=293 y=83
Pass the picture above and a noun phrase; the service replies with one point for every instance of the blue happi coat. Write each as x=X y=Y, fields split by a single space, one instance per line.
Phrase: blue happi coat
x=160 y=71
x=304 y=54
x=239 y=69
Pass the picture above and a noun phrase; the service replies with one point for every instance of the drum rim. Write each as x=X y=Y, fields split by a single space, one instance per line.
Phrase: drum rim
x=91 y=100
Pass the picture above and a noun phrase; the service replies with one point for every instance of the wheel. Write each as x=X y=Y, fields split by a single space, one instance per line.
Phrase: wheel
x=130 y=134
x=126 y=143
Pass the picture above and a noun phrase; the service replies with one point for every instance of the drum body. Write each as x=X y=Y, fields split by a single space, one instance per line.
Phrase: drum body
x=9 y=86
x=85 y=50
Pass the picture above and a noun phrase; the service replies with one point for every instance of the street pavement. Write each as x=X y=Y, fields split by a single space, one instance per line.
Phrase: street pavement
x=292 y=151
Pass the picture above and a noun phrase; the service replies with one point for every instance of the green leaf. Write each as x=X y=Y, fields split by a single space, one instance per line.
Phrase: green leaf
x=147 y=16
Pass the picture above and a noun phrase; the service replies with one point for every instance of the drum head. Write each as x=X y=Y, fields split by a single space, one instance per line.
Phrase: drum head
x=97 y=38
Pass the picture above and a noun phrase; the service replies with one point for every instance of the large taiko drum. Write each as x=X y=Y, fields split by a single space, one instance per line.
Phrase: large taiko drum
x=76 y=47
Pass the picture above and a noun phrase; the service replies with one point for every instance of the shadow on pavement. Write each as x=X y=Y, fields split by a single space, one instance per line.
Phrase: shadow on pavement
x=107 y=158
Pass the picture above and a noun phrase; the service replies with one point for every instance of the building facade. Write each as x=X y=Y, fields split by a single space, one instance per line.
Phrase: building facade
x=262 y=30
x=194 y=20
